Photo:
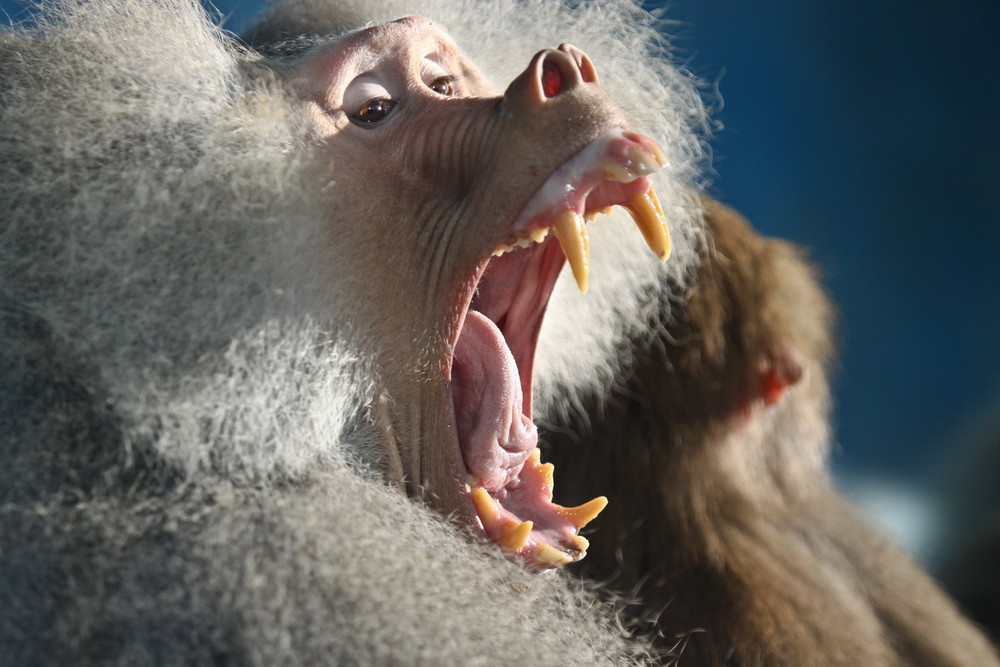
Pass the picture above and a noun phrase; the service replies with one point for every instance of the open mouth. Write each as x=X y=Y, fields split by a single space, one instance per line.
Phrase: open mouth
x=509 y=486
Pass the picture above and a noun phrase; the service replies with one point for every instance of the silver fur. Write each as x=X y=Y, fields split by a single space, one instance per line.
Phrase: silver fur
x=185 y=474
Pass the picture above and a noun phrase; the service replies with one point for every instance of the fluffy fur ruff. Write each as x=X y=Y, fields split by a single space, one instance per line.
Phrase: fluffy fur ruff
x=187 y=452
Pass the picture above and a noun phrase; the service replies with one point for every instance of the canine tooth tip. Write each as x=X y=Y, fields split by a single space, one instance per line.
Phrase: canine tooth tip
x=572 y=235
x=648 y=216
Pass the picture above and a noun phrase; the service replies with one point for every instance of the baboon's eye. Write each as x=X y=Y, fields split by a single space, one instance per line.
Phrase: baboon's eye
x=443 y=86
x=373 y=111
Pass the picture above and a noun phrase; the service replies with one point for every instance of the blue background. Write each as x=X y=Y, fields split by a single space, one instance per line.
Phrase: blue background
x=867 y=132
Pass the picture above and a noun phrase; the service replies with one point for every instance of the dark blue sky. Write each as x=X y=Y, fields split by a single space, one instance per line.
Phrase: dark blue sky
x=868 y=132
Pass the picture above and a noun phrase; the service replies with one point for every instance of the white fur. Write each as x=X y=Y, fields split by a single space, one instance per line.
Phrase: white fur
x=152 y=216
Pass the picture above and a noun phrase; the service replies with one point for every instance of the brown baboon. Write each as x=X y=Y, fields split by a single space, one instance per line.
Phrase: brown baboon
x=724 y=520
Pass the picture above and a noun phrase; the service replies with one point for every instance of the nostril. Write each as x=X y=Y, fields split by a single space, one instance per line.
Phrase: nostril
x=552 y=79
x=583 y=64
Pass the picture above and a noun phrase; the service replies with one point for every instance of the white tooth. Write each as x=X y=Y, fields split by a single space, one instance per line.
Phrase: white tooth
x=523 y=241
x=658 y=154
x=503 y=249
x=637 y=163
x=620 y=173
x=648 y=216
x=572 y=235
x=642 y=162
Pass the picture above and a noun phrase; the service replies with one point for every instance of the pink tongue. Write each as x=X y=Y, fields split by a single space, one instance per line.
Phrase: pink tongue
x=495 y=435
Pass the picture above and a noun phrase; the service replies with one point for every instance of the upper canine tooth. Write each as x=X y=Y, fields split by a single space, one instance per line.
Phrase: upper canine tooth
x=648 y=216
x=572 y=235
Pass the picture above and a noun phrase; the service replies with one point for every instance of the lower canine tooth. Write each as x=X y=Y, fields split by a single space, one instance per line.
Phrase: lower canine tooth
x=583 y=514
x=514 y=535
x=572 y=235
x=648 y=216
x=486 y=508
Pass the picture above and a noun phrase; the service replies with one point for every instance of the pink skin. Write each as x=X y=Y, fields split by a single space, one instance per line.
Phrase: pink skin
x=424 y=193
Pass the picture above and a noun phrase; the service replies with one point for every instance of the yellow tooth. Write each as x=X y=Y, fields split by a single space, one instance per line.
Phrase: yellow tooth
x=538 y=235
x=648 y=216
x=513 y=536
x=572 y=235
x=535 y=456
x=486 y=508
x=581 y=544
x=546 y=470
x=546 y=553
x=582 y=515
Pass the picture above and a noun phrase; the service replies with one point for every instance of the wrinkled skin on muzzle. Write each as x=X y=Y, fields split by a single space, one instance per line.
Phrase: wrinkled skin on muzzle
x=431 y=174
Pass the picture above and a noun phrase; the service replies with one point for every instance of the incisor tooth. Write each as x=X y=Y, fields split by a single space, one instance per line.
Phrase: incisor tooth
x=648 y=216
x=572 y=235
x=583 y=514
x=661 y=158
x=513 y=536
x=638 y=163
x=620 y=173
x=546 y=553
x=486 y=508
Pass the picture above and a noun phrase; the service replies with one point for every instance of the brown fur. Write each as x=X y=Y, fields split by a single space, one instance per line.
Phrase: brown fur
x=723 y=520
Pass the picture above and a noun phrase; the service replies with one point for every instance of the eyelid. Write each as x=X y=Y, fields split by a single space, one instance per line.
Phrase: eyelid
x=363 y=90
